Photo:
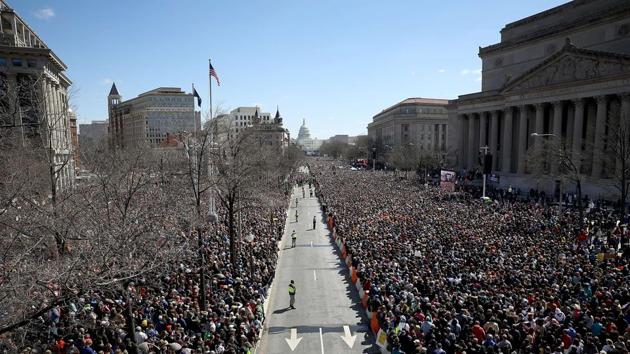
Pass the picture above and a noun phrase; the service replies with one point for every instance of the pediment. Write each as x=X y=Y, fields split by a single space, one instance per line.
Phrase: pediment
x=571 y=65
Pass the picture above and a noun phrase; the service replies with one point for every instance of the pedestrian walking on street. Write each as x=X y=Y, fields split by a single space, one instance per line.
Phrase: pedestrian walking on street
x=311 y=193
x=303 y=192
x=292 y=295
x=296 y=202
x=296 y=215
x=293 y=238
x=314 y=222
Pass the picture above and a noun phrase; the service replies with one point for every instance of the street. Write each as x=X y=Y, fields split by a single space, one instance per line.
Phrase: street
x=327 y=315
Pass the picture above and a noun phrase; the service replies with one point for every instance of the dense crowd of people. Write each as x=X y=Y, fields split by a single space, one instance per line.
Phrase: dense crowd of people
x=446 y=273
x=164 y=305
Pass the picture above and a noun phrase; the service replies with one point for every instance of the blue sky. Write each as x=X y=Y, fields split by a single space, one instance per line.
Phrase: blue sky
x=335 y=63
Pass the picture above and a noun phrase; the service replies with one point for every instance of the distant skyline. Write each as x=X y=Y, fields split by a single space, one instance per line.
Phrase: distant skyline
x=335 y=64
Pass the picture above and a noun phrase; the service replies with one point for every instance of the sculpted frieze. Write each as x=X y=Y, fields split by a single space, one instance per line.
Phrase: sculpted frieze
x=569 y=68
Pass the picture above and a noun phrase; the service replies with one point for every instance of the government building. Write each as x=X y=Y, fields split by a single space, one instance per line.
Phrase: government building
x=150 y=117
x=34 y=94
x=557 y=78
x=417 y=123
x=259 y=127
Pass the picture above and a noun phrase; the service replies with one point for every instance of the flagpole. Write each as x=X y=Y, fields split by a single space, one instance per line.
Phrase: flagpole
x=210 y=82
x=193 y=105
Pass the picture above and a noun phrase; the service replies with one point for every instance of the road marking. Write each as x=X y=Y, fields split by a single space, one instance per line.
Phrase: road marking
x=321 y=339
x=311 y=244
x=294 y=341
x=348 y=337
x=314 y=275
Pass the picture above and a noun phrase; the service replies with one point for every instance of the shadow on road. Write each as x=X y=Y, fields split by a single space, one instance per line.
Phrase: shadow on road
x=281 y=311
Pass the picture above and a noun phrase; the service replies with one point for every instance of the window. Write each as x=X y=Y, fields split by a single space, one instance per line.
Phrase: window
x=16 y=62
x=31 y=63
x=3 y=62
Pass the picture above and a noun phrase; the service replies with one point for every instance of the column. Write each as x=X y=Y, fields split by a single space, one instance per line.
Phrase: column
x=506 y=147
x=522 y=139
x=483 y=123
x=494 y=132
x=471 y=141
x=461 y=133
x=576 y=154
x=600 y=128
x=557 y=132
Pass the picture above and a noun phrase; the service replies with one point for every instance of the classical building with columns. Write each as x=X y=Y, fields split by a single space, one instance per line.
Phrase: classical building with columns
x=418 y=122
x=34 y=94
x=560 y=75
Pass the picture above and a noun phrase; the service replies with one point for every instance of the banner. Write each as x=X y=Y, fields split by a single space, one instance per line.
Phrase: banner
x=447 y=180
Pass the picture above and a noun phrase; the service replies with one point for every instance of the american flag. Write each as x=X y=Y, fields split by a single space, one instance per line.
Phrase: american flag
x=214 y=73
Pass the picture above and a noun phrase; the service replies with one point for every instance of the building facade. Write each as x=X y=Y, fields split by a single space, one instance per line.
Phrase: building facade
x=561 y=75
x=94 y=133
x=418 y=122
x=148 y=118
x=34 y=93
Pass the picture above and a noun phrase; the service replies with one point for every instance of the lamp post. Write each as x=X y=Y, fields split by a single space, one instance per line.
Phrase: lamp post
x=484 y=149
x=373 y=159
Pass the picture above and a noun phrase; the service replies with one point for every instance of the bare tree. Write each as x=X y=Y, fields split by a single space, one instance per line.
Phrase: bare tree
x=244 y=172
x=616 y=153
x=568 y=164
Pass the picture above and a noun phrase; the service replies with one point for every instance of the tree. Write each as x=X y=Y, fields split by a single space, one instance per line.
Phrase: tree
x=244 y=173
x=334 y=149
x=568 y=164
x=616 y=151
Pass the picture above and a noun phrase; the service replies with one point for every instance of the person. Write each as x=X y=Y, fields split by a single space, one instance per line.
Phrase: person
x=292 y=295
x=293 y=239
x=311 y=192
x=296 y=215
x=314 y=222
x=296 y=202
x=303 y=192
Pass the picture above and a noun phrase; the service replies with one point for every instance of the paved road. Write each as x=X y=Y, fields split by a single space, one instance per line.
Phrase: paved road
x=325 y=301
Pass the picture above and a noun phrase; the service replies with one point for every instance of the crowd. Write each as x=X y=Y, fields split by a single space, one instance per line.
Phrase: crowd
x=164 y=306
x=450 y=274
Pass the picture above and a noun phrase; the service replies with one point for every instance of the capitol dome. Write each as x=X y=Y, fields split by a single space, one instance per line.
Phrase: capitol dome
x=304 y=132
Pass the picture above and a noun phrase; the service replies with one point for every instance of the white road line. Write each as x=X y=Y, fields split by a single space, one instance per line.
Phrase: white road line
x=311 y=244
x=321 y=339
x=314 y=275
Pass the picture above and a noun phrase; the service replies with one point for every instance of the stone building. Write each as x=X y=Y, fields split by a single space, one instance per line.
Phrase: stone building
x=418 y=122
x=148 y=118
x=94 y=133
x=560 y=75
x=260 y=127
x=34 y=93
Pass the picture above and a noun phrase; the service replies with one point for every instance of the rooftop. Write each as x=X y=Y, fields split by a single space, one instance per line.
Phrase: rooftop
x=417 y=101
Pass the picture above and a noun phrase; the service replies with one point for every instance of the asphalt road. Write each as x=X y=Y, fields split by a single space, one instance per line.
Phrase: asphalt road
x=326 y=300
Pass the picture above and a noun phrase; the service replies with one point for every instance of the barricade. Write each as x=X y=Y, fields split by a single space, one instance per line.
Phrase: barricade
x=363 y=294
x=374 y=323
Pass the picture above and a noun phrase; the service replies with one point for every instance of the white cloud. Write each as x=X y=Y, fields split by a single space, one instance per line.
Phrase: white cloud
x=465 y=72
x=477 y=71
x=478 y=78
x=442 y=71
x=45 y=13
x=107 y=81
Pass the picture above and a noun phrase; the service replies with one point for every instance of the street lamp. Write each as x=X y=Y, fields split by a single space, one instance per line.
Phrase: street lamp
x=373 y=159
